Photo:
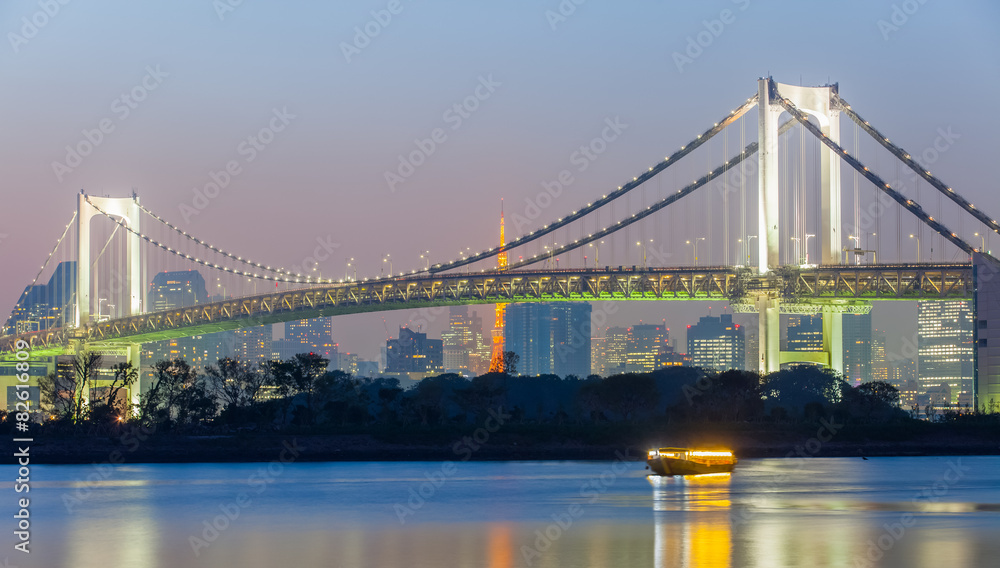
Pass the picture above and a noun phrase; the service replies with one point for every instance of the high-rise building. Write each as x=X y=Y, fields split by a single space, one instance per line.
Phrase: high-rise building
x=44 y=306
x=805 y=333
x=549 y=338
x=645 y=342
x=858 y=348
x=945 y=350
x=412 y=352
x=458 y=340
x=312 y=335
x=716 y=343
x=482 y=348
x=615 y=350
x=178 y=289
x=880 y=366
x=253 y=344
x=753 y=350
x=571 y=338
x=597 y=360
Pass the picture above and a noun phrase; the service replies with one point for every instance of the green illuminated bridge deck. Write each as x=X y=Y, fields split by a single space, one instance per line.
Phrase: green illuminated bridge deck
x=802 y=289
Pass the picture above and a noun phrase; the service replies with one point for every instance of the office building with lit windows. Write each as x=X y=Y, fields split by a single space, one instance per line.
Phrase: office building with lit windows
x=615 y=351
x=804 y=333
x=945 y=350
x=717 y=343
x=858 y=348
x=645 y=343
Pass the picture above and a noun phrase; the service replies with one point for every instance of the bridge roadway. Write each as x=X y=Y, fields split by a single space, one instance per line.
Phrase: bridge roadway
x=798 y=287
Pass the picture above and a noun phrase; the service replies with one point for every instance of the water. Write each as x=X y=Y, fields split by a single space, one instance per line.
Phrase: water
x=925 y=512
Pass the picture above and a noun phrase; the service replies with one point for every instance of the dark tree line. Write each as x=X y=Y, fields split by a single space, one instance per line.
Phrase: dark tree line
x=301 y=393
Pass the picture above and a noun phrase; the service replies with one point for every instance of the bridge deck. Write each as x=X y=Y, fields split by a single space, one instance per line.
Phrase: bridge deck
x=801 y=285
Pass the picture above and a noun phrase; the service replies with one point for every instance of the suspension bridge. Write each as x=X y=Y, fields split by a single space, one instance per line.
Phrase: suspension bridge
x=112 y=245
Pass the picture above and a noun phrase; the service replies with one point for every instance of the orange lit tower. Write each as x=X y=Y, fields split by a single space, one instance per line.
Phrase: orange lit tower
x=496 y=361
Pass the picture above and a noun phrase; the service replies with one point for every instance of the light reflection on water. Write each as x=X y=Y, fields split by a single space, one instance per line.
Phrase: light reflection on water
x=768 y=513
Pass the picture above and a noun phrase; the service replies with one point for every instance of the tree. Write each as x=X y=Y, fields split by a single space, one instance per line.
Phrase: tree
x=68 y=390
x=109 y=409
x=627 y=395
x=178 y=396
x=235 y=383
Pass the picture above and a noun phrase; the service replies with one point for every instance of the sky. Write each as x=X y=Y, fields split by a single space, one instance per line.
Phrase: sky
x=353 y=85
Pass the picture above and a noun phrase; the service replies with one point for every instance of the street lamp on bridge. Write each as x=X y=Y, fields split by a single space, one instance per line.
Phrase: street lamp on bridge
x=918 y=246
x=643 y=245
x=808 y=236
x=389 y=260
x=695 y=247
x=347 y=270
x=597 y=253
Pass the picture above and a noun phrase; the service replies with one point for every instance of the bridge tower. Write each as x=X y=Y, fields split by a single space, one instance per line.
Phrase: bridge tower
x=819 y=103
x=127 y=209
x=496 y=360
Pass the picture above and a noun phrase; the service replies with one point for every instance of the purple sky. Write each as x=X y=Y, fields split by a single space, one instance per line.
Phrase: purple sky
x=546 y=84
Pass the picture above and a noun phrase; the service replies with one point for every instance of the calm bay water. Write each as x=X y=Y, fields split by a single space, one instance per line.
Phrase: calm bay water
x=906 y=512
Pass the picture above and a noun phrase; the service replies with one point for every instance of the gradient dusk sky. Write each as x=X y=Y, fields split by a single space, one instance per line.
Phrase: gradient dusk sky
x=553 y=84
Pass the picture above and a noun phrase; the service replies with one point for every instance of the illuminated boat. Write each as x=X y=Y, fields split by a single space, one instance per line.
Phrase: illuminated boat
x=685 y=461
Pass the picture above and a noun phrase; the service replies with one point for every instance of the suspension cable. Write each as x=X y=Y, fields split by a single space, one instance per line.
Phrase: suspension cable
x=924 y=173
x=908 y=204
x=609 y=198
x=214 y=248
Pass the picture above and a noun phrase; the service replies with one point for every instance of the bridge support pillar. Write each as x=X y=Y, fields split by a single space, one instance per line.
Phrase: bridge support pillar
x=833 y=339
x=134 y=357
x=769 y=194
x=768 y=334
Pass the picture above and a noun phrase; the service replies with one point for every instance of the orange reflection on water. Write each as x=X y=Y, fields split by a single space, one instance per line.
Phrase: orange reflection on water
x=694 y=529
x=500 y=546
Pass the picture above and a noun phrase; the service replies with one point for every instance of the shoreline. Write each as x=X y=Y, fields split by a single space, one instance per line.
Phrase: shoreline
x=354 y=448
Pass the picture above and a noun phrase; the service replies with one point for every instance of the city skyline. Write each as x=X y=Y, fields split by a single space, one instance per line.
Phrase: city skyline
x=143 y=152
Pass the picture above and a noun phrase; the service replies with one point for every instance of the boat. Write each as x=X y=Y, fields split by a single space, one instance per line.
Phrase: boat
x=687 y=461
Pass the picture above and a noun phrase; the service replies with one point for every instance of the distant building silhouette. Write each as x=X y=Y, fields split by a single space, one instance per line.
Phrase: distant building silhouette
x=44 y=306
x=179 y=289
x=717 y=343
x=858 y=348
x=549 y=338
x=412 y=352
